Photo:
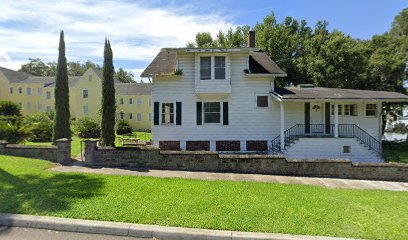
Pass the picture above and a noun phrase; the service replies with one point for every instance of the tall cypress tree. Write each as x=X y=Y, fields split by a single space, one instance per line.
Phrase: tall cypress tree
x=108 y=98
x=62 y=116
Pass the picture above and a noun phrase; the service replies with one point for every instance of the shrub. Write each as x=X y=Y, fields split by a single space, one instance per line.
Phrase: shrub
x=13 y=132
x=40 y=127
x=87 y=127
x=123 y=127
x=8 y=108
x=400 y=128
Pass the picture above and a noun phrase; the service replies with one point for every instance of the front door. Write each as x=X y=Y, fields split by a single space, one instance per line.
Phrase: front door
x=316 y=118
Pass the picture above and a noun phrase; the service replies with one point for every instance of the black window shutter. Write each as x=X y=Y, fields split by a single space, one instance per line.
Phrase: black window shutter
x=327 y=117
x=307 y=117
x=225 y=113
x=199 y=113
x=156 y=113
x=178 y=113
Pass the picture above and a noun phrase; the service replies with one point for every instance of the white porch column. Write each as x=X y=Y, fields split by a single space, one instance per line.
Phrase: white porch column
x=282 y=125
x=336 y=120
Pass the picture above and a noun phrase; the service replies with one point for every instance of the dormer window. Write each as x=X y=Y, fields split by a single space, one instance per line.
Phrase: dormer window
x=213 y=68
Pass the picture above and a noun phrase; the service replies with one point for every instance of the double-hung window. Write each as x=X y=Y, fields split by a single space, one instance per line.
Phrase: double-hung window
x=219 y=67
x=121 y=101
x=139 y=117
x=85 y=94
x=48 y=95
x=212 y=112
x=205 y=68
x=11 y=90
x=167 y=113
x=39 y=91
x=85 y=110
x=130 y=115
x=130 y=100
x=371 y=110
x=28 y=91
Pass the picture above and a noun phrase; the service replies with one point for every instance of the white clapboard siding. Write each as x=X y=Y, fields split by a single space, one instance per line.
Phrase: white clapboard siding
x=331 y=148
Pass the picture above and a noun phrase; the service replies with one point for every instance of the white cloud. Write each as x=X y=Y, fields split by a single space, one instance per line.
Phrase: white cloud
x=137 y=32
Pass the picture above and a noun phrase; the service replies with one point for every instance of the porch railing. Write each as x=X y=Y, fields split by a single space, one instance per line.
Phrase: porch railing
x=322 y=130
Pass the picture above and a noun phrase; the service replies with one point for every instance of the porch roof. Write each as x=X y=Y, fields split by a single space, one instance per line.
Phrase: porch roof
x=318 y=93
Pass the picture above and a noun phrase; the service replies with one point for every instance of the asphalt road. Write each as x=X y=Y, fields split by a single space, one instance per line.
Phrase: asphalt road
x=17 y=233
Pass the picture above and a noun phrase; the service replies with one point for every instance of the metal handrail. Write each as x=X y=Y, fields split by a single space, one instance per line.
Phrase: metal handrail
x=322 y=130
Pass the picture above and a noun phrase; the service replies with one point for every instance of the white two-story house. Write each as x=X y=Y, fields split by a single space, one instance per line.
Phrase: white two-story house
x=225 y=100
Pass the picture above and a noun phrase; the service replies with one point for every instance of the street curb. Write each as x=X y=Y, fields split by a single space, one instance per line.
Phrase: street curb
x=139 y=230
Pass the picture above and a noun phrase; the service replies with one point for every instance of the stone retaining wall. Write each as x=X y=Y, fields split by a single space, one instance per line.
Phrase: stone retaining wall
x=60 y=153
x=148 y=157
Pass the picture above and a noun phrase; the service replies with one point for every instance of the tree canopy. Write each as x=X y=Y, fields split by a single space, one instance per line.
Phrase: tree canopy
x=322 y=57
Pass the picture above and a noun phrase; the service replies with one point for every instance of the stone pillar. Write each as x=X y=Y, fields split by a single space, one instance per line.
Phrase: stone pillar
x=3 y=145
x=282 y=125
x=90 y=147
x=63 y=150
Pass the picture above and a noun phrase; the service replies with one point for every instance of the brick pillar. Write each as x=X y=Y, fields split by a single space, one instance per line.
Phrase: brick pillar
x=63 y=150
x=90 y=147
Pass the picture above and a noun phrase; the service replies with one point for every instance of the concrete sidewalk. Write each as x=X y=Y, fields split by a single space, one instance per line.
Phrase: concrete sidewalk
x=324 y=182
x=139 y=230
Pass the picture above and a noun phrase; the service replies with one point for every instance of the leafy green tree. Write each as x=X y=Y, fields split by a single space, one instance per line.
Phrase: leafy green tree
x=61 y=127
x=202 y=40
x=400 y=24
x=124 y=76
x=108 y=98
x=35 y=67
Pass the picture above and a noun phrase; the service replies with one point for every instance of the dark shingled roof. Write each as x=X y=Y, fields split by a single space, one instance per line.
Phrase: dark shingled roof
x=133 y=88
x=14 y=76
x=260 y=62
x=164 y=63
x=298 y=93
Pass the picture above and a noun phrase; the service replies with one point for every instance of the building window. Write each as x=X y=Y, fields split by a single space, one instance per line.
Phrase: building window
x=205 y=68
x=39 y=107
x=130 y=100
x=28 y=90
x=130 y=115
x=139 y=101
x=219 y=67
x=48 y=108
x=167 y=113
x=150 y=116
x=122 y=115
x=86 y=110
x=345 y=110
x=139 y=116
x=39 y=91
x=212 y=112
x=262 y=101
x=85 y=93
x=371 y=110
x=28 y=105
x=20 y=90
x=340 y=110
x=121 y=101
x=11 y=90
x=48 y=95
x=346 y=149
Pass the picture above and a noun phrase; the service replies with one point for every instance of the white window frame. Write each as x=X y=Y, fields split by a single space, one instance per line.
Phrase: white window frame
x=139 y=102
x=130 y=115
x=262 y=95
x=20 y=90
x=11 y=90
x=39 y=91
x=48 y=95
x=28 y=91
x=121 y=115
x=221 y=113
x=139 y=117
x=161 y=113
x=376 y=110
x=213 y=55
x=85 y=110
x=130 y=101
x=121 y=101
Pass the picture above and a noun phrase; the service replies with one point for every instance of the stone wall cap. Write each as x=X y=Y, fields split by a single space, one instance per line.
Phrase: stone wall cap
x=379 y=164
x=308 y=160
x=64 y=140
x=3 y=142
x=31 y=146
x=167 y=152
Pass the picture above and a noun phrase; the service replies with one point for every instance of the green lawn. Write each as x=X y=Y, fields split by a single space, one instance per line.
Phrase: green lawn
x=396 y=152
x=27 y=187
x=75 y=145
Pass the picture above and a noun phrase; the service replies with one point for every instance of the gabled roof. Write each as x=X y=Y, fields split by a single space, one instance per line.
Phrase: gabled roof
x=298 y=93
x=166 y=61
x=14 y=76
x=133 y=88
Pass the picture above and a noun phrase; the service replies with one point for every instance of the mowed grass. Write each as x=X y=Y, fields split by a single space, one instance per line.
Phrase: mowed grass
x=27 y=187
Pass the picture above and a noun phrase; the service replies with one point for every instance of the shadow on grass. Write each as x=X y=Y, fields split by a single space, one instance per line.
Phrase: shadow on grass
x=41 y=194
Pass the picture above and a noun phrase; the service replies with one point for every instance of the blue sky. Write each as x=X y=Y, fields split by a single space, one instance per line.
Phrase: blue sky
x=138 y=29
